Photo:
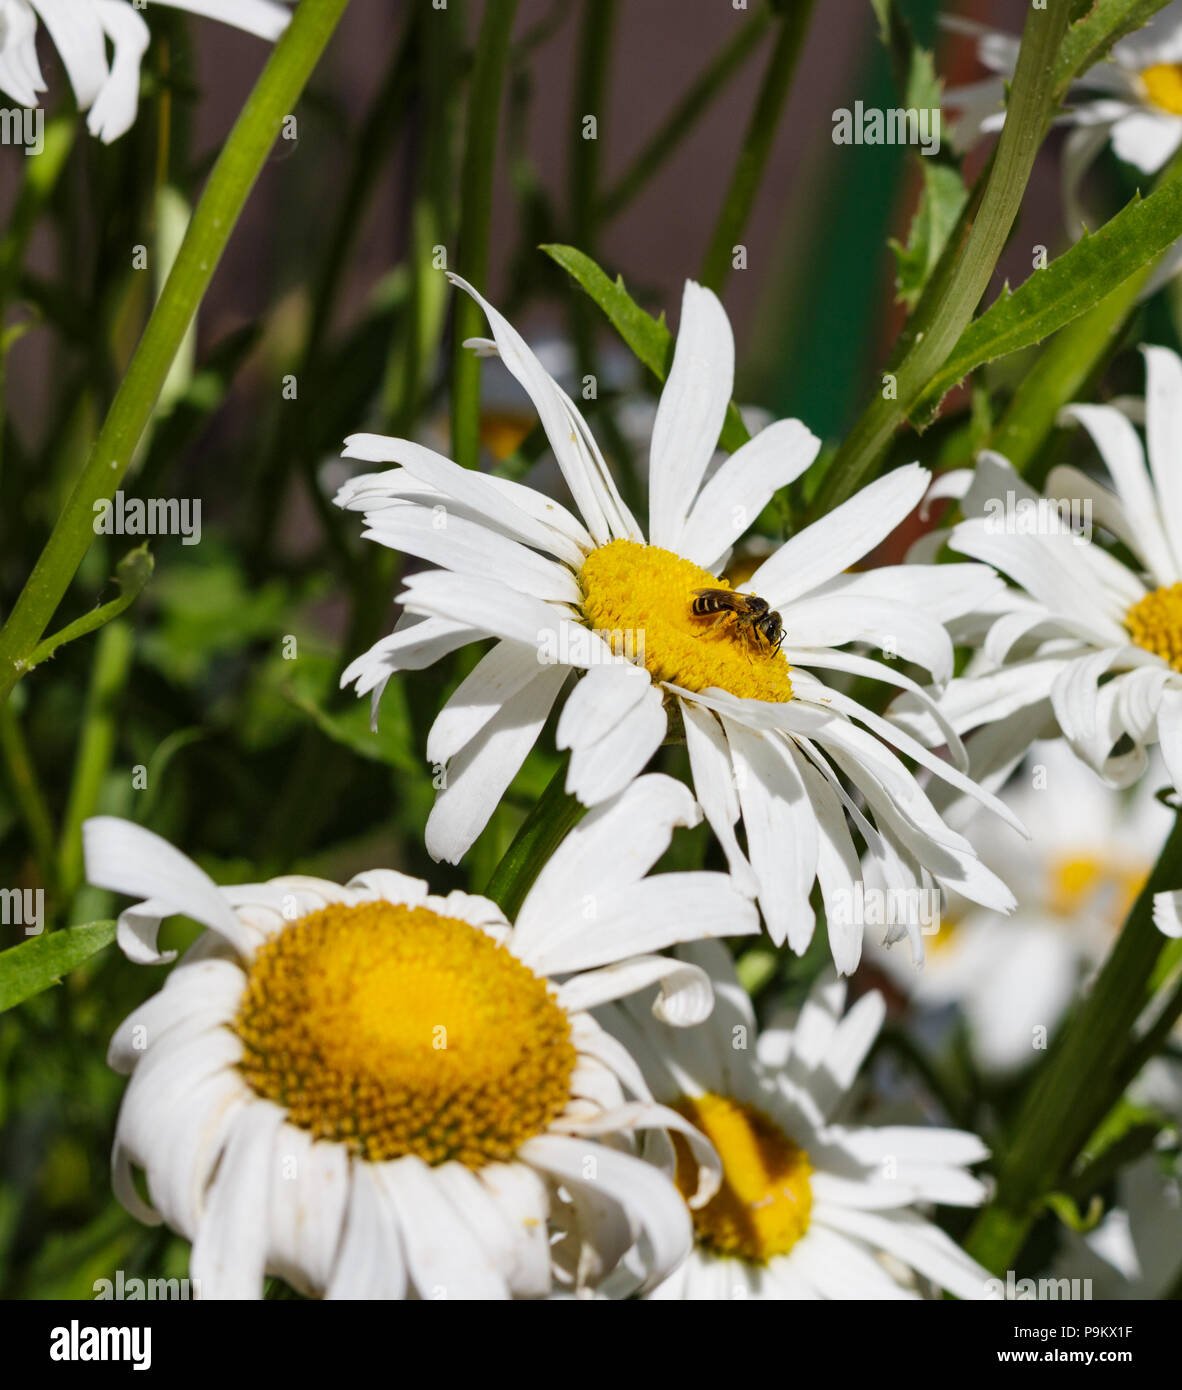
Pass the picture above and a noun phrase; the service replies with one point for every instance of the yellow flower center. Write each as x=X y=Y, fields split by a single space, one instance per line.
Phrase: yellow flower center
x=640 y=598
x=763 y=1206
x=938 y=942
x=397 y=1031
x=1090 y=883
x=1163 y=86
x=1155 y=623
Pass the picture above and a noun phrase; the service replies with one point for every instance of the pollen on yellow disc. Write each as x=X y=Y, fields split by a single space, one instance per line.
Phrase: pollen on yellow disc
x=763 y=1206
x=396 y=1030
x=640 y=597
x=1163 y=86
x=1155 y=623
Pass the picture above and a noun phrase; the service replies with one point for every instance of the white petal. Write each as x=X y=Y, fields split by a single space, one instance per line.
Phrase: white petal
x=1169 y=731
x=1167 y=914
x=306 y=1217
x=259 y=17
x=714 y=786
x=742 y=486
x=473 y=489
x=229 y=1252
x=1124 y=458
x=443 y=1256
x=690 y=414
x=479 y=775
x=414 y=644
x=370 y=1263
x=834 y=620
x=114 y=108
x=781 y=833
x=592 y=495
x=618 y=841
x=616 y=921
x=126 y=858
x=838 y=539
x=685 y=996
x=499 y=676
x=78 y=37
x=614 y=1185
x=1147 y=139
x=1163 y=433
x=466 y=547
x=918 y=1243
x=602 y=769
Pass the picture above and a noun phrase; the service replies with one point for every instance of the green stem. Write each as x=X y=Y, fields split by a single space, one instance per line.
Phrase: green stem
x=757 y=143
x=274 y=95
x=480 y=148
x=554 y=815
x=961 y=280
x=1081 y=1079
x=684 y=116
x=112 y=663
x=131 y=575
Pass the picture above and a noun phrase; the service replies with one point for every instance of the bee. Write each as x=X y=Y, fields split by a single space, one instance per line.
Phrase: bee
x=751 y=613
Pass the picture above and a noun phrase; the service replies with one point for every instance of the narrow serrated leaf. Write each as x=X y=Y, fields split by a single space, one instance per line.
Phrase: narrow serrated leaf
x=648 y=337
x=34 y=965
x=1068 y=287
x=1090 y=38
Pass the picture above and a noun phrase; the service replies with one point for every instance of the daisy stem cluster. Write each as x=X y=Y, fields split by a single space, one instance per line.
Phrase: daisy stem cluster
x=963 y=274
x=272 y=100
x=1085 y=1074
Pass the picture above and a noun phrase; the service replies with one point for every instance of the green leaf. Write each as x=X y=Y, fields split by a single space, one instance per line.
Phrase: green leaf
x=1089 y=39
x=944 y=195
x=648 y=337
x=391 y=743
x=1067 y=288
x=34 y=965
x=131 y=575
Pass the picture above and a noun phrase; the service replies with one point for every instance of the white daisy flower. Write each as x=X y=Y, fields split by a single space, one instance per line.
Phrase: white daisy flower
x=374 y=1092
x=768 y=741
x=106 y=86
x=810 y=1206
x=1133 y=99
x=1089 y=855
x=1084 y=638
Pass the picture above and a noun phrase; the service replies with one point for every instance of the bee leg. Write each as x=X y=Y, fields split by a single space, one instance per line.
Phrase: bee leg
x=718 y=620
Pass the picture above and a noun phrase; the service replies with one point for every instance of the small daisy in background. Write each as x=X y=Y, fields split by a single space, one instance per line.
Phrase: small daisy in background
x=770 y=744
x=106 y=86
x=1086 y=639
x=1089 y=855
x=1132 y=100
x=811 y=1205
x=374 y=1092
